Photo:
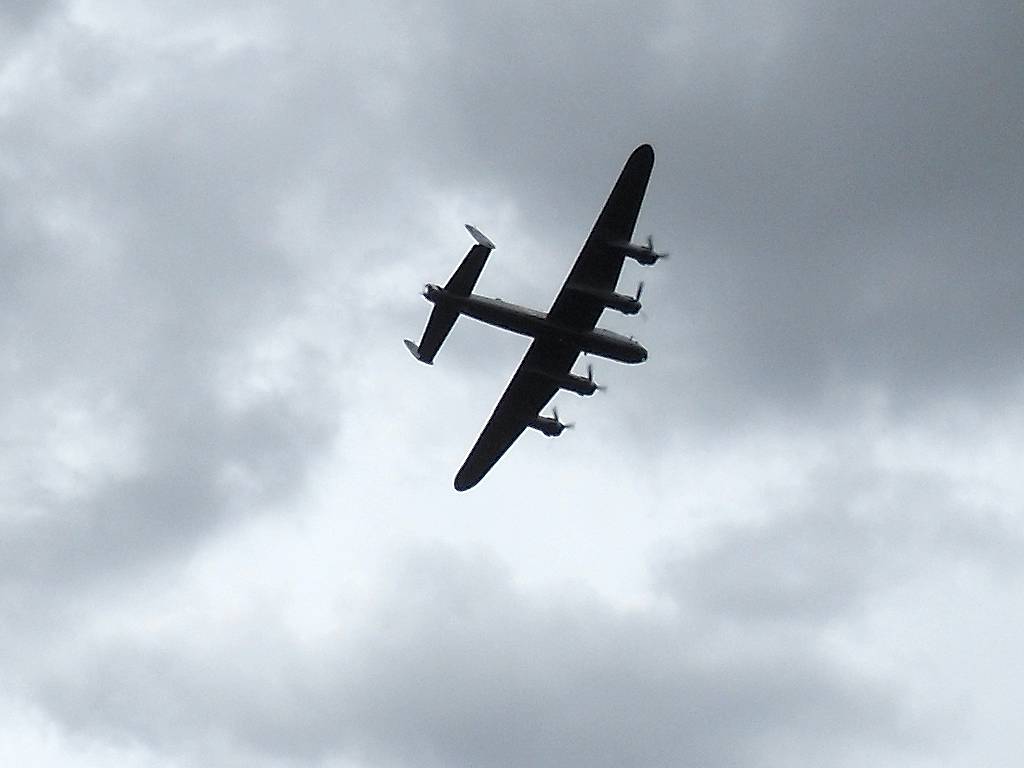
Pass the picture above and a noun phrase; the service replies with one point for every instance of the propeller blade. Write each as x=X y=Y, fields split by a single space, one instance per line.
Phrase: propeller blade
x=639 y=289
x=650 y=247
x=554 y=411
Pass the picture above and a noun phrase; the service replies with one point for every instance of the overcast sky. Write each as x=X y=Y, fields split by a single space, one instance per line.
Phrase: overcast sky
x=228 y=533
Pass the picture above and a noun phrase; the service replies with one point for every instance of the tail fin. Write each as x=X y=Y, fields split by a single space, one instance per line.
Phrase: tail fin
x=414 y=348
x=480 y=237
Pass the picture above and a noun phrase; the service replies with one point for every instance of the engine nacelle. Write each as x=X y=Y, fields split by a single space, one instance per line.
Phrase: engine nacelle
x=549 y=425
x=581 y=385
x=546 y=425
x=642 y=254
x=627 y=305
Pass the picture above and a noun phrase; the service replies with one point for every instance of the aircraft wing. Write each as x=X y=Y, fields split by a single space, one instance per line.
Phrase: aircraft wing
x=527 y=393
x=599 y=263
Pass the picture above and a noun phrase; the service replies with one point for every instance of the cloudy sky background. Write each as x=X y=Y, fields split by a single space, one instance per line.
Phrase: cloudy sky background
x=228 y=534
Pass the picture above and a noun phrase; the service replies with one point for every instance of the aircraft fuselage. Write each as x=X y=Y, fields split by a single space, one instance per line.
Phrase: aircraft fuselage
x=536 y=324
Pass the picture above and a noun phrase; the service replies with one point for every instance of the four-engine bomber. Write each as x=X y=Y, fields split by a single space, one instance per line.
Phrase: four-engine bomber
x=560 y=334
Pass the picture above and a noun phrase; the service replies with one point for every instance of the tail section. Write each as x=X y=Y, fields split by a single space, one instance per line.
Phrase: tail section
x=480 y=237
x=414 y=348
x=444 y=314
x=465 y=277
x=442 y=318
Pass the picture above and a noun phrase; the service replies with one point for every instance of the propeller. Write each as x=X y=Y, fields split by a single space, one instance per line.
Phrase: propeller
x=590 y=378
x=650 y=247
x=642 y=314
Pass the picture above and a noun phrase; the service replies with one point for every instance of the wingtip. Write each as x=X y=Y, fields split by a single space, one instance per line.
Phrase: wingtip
x=415 y=350
x=644 y=150
x=480 y=237
x=465 y=480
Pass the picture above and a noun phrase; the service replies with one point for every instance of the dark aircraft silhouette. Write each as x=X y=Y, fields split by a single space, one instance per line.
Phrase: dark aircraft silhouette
x=559 y=336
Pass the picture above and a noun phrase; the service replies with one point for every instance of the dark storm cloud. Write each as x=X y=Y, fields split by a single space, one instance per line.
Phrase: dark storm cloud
x=457 y=667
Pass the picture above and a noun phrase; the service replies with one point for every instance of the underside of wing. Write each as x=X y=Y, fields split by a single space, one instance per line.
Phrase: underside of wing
x=532 y=386
x=599 y=264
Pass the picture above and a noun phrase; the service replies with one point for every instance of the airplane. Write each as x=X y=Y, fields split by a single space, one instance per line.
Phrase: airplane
x=559 y=335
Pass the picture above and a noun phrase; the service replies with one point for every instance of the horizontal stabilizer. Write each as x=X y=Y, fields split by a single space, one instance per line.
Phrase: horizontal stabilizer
x=416 y=352
x=439 y=324
x=480 y=237
x=464 y=279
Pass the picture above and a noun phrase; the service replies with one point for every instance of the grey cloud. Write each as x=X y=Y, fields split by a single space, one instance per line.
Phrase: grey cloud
x=857 y=535
x=195 y=449
x=23 y=14
x=841 y=187
x=458 y=667
x=143 y=259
